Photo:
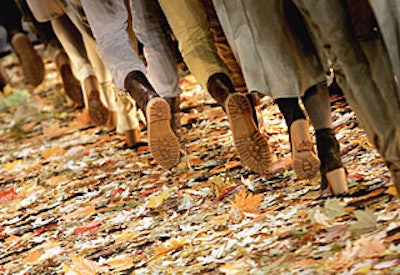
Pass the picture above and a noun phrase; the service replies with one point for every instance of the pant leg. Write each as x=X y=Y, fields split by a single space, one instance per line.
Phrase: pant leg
x=188 y=21
x=108 y=21
x=354 y=72
x=162 y=70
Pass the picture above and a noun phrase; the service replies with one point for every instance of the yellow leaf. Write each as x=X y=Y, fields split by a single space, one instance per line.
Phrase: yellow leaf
x=246 y=202
x=12 y=166
x=175 y=244
x=156 y=201
x=392 y=191
x=121 y=263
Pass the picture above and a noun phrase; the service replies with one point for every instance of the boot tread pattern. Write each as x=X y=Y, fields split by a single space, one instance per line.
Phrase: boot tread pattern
x=253 y=147
x=164 y=145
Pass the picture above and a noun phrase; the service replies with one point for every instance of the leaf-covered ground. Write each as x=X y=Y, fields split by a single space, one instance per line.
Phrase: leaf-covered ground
x=75 y=200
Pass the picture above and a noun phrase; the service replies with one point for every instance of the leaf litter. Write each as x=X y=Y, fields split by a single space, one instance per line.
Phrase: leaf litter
x=75 y=200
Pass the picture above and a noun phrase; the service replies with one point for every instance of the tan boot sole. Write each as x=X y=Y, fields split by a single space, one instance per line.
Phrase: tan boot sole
x=31 y=62
x=306 y=164
x=164 y=145
x=251 y=145
x=337 y=181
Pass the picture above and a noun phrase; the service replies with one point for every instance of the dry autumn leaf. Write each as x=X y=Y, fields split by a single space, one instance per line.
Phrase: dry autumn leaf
x=81 y=266
x=175 y=244
x=246 y=202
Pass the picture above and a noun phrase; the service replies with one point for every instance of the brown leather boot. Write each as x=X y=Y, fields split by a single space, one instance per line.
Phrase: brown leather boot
x=97 y=112
x=72 y=87
x=305 y=163
x=174 y=105
x=252 y=146
x=332 y=172
x=31 y=62
x=164 y=145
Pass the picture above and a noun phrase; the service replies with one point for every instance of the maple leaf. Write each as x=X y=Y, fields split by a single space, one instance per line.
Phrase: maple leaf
x=175 y=244
x=366 y=222
x=53 y=130
x=81 y=266
x=246 y=202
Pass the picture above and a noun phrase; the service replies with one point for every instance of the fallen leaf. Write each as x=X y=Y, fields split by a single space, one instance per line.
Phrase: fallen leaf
x=156 y=201
x=392 y=190
x=81 y=266
x=247 y=202
x=366 y=222
x=53 y=152
x=235 y=268
x=366 y=248
x=7 y=195
x=87 y=228
x=121 y=263
x=32 y=258
x=175 y=244
x=333 y=209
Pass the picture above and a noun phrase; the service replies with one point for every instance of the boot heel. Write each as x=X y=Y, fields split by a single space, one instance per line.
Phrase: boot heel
x=337 y=181
x=164 y=145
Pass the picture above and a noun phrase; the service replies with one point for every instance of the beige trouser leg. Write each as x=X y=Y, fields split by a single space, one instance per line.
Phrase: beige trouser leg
x=188 y=21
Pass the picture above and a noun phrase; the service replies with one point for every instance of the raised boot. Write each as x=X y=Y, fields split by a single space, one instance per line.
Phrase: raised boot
x=252 y=146
x=174 y=105
x=97 y=112
x=305 y=163
x=164 y=145
x=332 y=172
x=72 y=87
x=31 y=62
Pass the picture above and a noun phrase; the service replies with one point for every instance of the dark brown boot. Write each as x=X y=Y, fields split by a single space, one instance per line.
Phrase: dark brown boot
x=164 y=145
x=332 y=172
x=72 y=87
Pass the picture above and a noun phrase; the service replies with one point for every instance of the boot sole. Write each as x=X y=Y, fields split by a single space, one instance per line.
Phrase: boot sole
x=164 y=145
x=306 y=165
x=251 y=145
x=31 y=62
